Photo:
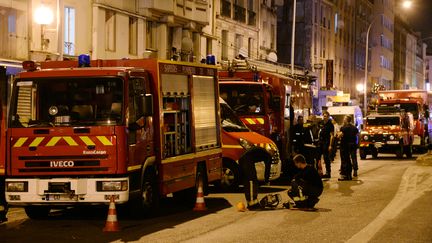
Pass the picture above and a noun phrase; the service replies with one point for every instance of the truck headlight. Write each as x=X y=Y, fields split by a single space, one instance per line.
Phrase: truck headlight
x=365 y=137
x=112 y=186
x=245 y=144
x=17 y=186
x=391 y=137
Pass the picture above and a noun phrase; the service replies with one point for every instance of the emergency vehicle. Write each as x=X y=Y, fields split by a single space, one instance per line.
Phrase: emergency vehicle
x=266 y=102
x=387 y=131
x=237 y=141
x=417 y=102
x=3 y=109
x=83 y=132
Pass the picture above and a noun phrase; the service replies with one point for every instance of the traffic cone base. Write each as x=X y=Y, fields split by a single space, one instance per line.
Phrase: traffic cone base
x=200 y=203
x=111 y=224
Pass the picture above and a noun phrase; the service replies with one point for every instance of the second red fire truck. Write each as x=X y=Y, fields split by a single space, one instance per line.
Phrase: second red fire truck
x=138 y=130
x=266 y=102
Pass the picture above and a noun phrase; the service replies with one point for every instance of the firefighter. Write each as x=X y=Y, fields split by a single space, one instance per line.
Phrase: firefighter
x=306 y=187
x=299 y=134
x=348 y=135
x=249 y=174
x=326 y=136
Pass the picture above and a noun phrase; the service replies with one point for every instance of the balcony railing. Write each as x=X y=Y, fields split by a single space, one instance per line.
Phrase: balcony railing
x=251 y=17
x=239 y=13
x=226 y=8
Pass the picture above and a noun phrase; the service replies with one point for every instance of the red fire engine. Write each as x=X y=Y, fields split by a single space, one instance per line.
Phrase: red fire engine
x=132 y=129
x=266 y=102
x=417 y=102
x=3 y=109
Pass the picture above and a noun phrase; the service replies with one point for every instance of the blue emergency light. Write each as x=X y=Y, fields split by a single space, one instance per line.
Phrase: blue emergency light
x=84 y=60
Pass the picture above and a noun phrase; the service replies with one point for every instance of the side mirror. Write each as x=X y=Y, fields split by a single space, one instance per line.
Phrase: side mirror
x=145 y=105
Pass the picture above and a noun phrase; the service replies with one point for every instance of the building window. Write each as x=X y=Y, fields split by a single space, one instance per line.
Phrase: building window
x=238 y=43
x=69 y=31
x=250 y=47
x=110 y=30
x=12 y=22
x=150 y=35
x=133 y=35
x=209 y=46
x=224 y=45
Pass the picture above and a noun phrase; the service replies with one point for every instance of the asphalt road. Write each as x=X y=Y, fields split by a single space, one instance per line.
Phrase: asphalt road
x=389 y=202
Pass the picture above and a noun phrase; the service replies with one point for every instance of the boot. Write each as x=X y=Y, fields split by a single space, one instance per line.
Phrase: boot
x=355 y=173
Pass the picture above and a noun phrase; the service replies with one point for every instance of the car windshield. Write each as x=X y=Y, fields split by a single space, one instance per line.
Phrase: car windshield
x=339 y=118
x=67 y=101
x=230 y=122
x=383 y=121
x=245 y=99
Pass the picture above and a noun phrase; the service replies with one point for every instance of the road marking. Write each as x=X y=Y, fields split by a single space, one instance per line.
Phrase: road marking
x=415 y=182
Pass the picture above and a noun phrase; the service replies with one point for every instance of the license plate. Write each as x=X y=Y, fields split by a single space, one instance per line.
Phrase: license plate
x=392 y=142
x=51 y=197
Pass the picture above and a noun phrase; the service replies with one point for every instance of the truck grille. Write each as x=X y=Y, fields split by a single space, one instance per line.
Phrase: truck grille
x=62 y=163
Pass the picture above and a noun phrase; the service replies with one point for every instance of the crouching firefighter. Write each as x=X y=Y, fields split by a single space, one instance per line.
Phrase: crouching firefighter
x=249 y=174
x=306 y=187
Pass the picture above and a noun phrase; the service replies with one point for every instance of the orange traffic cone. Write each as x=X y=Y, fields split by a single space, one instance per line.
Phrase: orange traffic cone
x=111 y=224
x=200 y=203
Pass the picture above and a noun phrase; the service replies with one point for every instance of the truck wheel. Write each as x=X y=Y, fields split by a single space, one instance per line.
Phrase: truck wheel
x=399 y=152
x=37 y=212
x=409 y=151
x=230 y=176
x=362 y=154
x=148 y=202
x=374 y=153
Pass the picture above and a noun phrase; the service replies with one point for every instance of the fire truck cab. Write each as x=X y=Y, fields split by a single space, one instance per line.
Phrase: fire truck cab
x=390 y=132
x=417 y=102
x=136 y=130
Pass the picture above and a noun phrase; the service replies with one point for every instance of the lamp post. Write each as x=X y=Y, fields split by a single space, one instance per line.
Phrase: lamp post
x=293 y=35
x=43 y=16
x=406 y=4
x=366 y=68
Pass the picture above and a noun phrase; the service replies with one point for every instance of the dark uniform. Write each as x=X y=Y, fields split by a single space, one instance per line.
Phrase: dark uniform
x=249 y=174
x=306 y=187
x=327 y=129
x=348 y=150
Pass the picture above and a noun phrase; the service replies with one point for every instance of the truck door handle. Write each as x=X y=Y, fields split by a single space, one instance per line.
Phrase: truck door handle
x=32 y=148
x=91 y=147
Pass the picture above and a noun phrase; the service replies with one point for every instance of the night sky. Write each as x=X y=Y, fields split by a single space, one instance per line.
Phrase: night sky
x=420 y=17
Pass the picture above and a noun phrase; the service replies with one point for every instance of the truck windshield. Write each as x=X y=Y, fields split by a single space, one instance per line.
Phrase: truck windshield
x=67 y=101
x=383 y=121
x=408 y=107
x=243 y=98
x=230 y=122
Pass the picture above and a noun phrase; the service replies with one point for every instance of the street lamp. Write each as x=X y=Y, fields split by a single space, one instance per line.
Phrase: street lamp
x=293 y=35
x=366 y=67
x=407 y=4
x=43 y=16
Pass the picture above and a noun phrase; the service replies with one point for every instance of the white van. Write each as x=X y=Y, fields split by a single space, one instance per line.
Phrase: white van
x=338 y=113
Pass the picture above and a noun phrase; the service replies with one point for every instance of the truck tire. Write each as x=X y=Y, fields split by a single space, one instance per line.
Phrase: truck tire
x=230 y=176
x=399 y=152
x=37 y=212
x=374 y=153
x=409 y=151
x=148 y=202
x=362 y=154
